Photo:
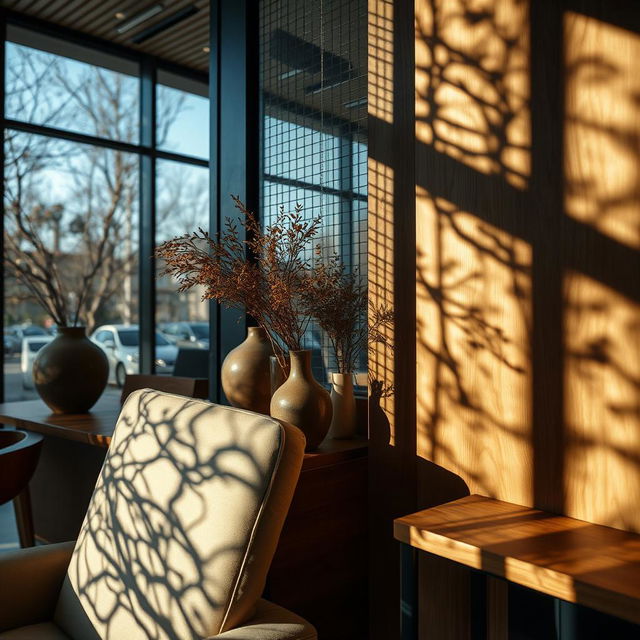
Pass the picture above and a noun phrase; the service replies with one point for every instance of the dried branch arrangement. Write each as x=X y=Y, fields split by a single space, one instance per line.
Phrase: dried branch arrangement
x=337 y=299
x=265 y=275
x=269 y=275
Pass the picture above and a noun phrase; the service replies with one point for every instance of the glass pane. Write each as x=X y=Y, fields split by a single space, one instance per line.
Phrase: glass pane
x=65 y=92
x=183 y=115
x=182 y=318
x=72 y=222
x=313 y=77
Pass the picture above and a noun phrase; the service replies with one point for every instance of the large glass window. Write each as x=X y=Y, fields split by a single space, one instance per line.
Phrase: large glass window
x=72 y=209
x=67 y=92
x=182 y=206
x=183 y=115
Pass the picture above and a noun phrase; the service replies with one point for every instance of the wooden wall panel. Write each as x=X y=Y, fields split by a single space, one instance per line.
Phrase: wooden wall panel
x=526 y=230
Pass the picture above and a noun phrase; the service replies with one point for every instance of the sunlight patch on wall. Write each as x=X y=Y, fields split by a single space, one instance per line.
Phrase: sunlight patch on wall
x=381 y=285
x=472 y=84
x=602 y=127
x=602 y=404
x=473 y=364
x=380 y=39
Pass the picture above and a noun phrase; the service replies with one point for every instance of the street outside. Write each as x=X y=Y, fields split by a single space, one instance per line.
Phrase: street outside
x=14 y=390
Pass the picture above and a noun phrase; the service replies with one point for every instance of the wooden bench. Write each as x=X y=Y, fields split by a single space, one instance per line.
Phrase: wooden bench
x=572 y=560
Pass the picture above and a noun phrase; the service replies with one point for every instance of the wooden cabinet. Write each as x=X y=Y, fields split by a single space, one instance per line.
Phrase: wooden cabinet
x=320 y=567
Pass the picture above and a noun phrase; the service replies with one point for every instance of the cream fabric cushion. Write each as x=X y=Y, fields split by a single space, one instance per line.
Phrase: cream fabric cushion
x=271 y=622
x=183 y=522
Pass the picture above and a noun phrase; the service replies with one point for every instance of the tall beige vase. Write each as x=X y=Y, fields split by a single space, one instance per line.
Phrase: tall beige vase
x=343 y=422
x=302 y=401
x=245 y=375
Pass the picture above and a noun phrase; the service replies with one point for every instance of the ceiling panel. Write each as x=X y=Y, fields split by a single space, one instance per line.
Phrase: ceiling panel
x=181 y=43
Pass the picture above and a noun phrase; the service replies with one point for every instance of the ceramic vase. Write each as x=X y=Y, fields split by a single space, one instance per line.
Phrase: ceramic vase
x=245 y=375
x=302 y=401
x=70 y=373
x=343 y=401
x=278 y=375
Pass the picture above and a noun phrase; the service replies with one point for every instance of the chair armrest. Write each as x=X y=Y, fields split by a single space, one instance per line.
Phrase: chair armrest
x=30 y=581
x=271 y=622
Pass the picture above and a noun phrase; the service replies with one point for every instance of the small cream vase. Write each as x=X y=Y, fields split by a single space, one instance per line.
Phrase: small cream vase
x=343 y=422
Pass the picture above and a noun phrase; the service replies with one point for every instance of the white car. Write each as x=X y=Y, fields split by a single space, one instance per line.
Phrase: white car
x=121 y=343
x=14 y=335
x=30 y=348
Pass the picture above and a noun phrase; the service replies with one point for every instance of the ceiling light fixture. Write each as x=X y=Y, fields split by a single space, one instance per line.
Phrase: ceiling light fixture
x=206 y=49
x=120 y=15
x=139 y=18
x=354 y=104
x=164 y=24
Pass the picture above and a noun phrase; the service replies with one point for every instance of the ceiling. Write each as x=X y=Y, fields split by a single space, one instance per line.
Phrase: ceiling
x=290 y=45
x=181 y=43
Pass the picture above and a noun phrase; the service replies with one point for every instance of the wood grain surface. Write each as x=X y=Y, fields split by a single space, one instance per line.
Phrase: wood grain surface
x=563 y=557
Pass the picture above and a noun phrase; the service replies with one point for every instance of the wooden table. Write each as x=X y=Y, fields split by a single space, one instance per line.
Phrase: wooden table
x=94 y=428
x=572 y=560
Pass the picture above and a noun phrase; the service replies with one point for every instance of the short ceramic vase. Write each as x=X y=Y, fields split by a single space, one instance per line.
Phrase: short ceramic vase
x=302 y=401
x=245 y=375
x=70 y=373
x=343 y=422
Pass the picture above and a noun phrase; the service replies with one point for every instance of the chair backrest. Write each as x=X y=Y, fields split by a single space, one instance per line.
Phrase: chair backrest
x=19 y=453
x=183 y=523
x=192 y=363
x=188 y=387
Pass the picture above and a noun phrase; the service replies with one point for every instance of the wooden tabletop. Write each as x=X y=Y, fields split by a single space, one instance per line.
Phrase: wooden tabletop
x=96 y=428
x=570 y=559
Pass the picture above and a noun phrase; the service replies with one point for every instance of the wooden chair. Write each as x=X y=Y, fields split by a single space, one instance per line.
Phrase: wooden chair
x=178 y=536
x=188 y=387
x=19 y=453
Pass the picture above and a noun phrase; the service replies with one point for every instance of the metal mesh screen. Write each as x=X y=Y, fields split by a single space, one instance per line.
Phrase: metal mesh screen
x=314 y=90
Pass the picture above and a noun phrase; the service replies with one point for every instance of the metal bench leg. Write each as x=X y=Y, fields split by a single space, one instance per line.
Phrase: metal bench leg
x=408 y=593
x=565 y=614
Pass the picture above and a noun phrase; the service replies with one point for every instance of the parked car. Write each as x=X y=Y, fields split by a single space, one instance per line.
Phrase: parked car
x=121 y=343
x=30 y=348
x=187 y=334
x=15 y=334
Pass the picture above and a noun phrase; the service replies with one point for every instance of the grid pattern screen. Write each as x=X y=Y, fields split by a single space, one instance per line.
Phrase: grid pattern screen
x=314 y=138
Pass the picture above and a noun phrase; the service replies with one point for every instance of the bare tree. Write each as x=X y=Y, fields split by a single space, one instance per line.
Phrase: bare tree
x=70 y=235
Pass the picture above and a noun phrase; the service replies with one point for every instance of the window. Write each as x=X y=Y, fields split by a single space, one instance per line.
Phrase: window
x=313 y=73
x=72 y=190
x=182 y=206
x=183 y=115
x=53 y=83
x=71 y=215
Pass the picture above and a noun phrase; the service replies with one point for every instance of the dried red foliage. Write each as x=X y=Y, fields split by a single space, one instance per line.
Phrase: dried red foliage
x=264 y=274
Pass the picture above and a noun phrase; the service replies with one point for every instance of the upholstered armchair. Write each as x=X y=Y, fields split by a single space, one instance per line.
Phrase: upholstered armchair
x=178 y=537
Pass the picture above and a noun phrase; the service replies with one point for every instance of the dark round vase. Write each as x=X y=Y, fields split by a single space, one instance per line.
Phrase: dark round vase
x=70 y=373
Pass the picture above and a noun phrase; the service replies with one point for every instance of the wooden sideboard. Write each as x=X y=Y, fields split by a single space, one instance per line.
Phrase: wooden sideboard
x=320 y=567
